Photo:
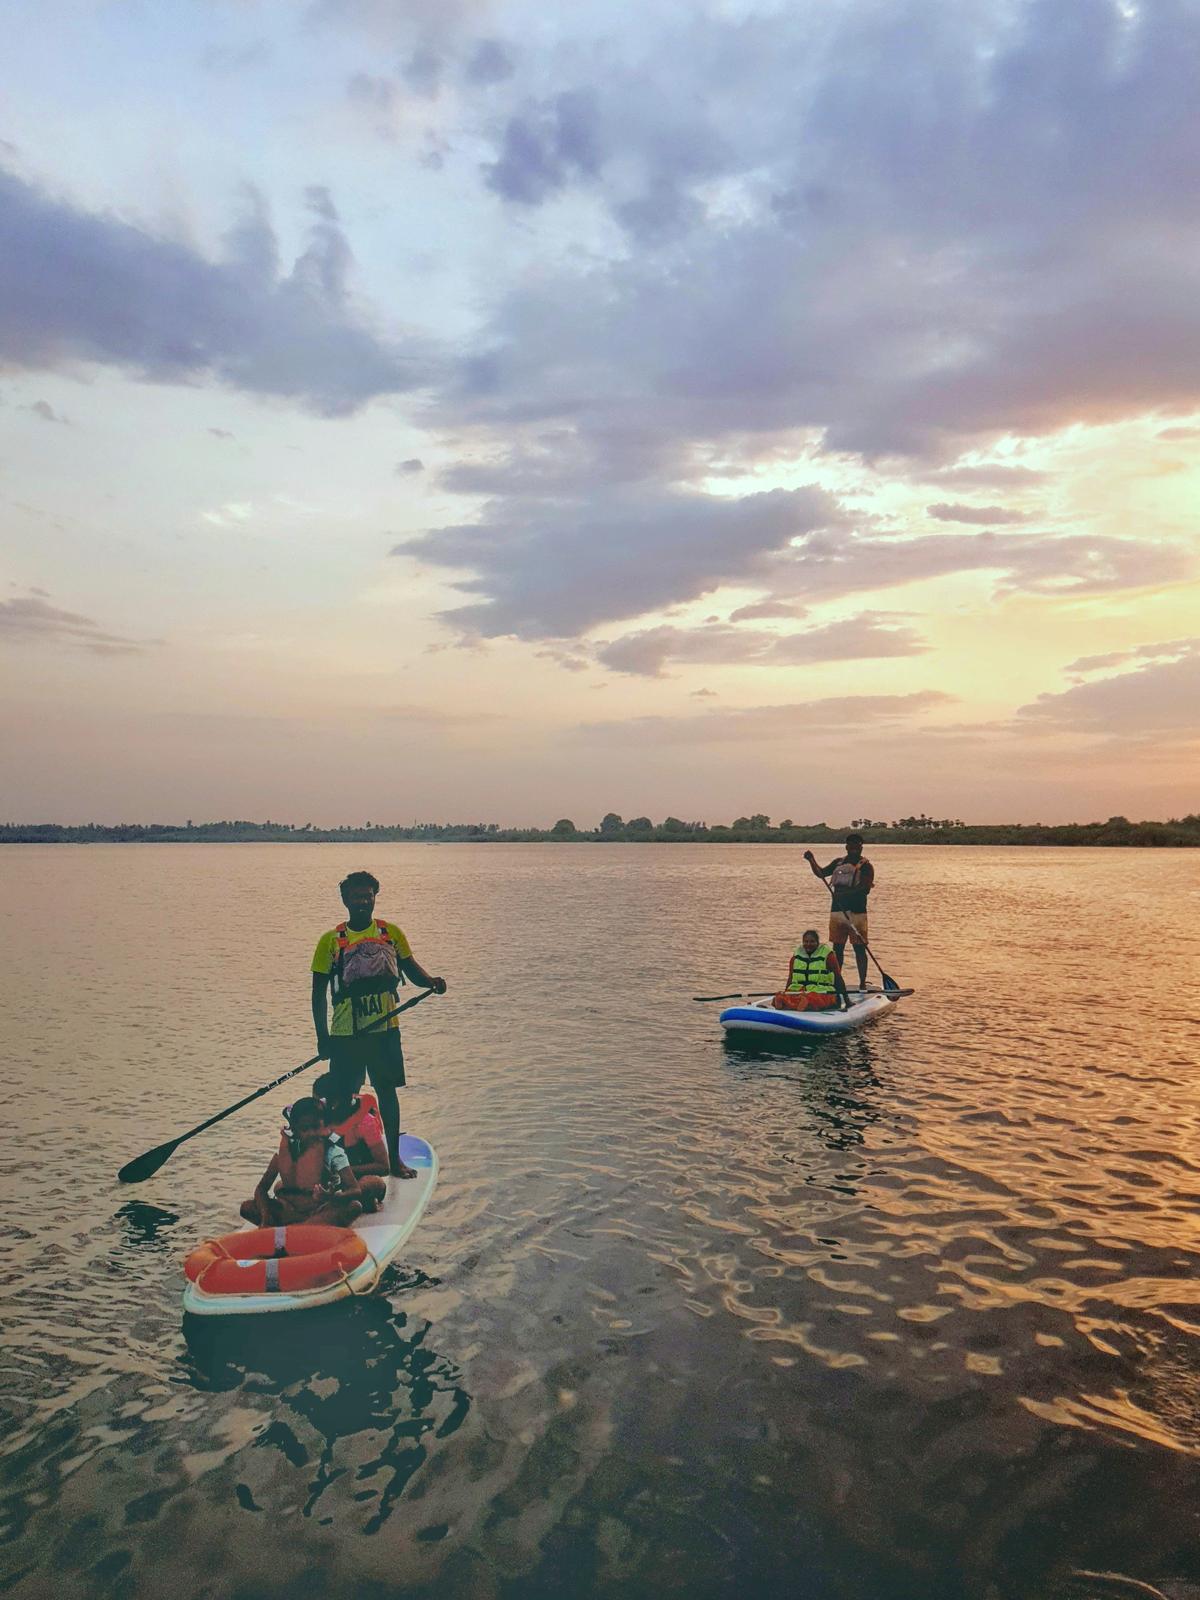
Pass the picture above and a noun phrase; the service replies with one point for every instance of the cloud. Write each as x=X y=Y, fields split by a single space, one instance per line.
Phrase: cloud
x=995 y=475
x=407 y=469
x=220 y=433
x=865 y=637
x=906 y=233
x=545 y=147
x=1160 y=697
x=551 y=569
x=1176 y=648
x=842 y=713
x=1178 y=433
x=490 y=62
x=981 y=514
x=29 y=619
x=824 y=568
x=77 y=286
x=43 y=409
x=762 y=609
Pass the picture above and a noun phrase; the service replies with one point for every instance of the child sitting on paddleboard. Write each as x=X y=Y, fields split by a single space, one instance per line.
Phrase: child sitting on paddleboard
x=355 y=1119
x=316 y=1182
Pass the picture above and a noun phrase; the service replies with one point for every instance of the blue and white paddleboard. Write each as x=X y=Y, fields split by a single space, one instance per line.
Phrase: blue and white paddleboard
x=864 y=1008
x=385 y=1232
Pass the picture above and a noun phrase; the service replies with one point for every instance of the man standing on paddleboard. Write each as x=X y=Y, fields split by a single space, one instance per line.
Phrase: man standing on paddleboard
x=361 y=961
x=851 y=877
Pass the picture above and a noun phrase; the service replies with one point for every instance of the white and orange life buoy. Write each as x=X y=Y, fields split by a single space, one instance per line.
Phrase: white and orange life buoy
x=290 y=1259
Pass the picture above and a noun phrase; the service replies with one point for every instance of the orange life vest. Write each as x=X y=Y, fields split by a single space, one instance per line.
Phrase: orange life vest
x=354 y=1129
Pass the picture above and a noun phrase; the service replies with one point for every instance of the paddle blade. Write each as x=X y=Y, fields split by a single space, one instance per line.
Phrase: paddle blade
x=888 y=981
x=145 y=1166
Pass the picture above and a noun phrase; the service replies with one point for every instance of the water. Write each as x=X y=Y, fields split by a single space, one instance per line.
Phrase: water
x=912 y=1312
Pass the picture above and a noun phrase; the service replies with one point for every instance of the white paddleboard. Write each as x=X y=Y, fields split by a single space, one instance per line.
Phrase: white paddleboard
x=864 y=1008
x=384 y=1231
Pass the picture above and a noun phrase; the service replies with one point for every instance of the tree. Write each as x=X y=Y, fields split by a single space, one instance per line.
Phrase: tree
x=640 y=825
x=787 y=823
x=563 y=828
x=611 y=823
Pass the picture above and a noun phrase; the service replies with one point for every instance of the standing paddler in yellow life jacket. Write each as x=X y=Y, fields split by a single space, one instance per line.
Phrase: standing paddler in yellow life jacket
x=851 y=877
x=814 y=978
x=361 y=962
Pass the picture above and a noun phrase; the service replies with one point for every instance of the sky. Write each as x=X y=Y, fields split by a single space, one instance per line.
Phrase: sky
x=490 y=410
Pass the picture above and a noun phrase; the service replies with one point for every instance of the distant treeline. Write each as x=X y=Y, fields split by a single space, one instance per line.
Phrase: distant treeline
x=756 y=829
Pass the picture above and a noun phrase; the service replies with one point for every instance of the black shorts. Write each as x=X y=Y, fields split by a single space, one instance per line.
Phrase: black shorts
x=380 y=1054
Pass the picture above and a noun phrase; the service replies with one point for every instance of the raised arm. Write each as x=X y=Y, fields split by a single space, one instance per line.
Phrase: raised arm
x=818 y=872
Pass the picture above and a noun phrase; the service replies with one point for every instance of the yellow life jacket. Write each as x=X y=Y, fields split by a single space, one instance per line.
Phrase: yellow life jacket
x=809 y=974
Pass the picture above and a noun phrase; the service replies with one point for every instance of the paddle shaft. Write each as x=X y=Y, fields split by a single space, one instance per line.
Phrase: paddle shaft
x=129 y=1173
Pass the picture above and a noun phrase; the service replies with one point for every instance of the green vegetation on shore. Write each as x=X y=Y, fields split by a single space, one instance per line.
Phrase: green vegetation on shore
x=756 y=829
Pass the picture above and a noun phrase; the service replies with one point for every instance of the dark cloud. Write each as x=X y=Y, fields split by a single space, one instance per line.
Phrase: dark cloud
x=984 y=515
x=844 y=713
x=489 y=62
x=28 y=619
x=867 y=636
x=423 y=72
x=406 y=469
x=1159 y=697
x=220 y=433
x=552 y=569
x=82 y=287
x=546 y=147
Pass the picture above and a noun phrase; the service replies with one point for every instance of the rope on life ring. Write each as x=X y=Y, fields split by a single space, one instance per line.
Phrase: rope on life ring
x=279 y=1260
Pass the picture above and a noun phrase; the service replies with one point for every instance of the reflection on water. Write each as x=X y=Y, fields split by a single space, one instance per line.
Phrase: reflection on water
x=911 y=1312
x=358 y=1387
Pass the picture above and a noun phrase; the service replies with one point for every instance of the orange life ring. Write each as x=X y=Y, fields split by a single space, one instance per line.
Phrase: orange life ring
x=275 y=1260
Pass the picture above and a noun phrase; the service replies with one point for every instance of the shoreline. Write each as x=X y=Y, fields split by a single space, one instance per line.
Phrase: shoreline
x=1112 y=835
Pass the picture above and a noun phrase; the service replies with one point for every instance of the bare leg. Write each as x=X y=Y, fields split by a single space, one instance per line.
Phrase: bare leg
x=371 y=1191
x=338 y=1211
x=860 y=957
x=389 y=1112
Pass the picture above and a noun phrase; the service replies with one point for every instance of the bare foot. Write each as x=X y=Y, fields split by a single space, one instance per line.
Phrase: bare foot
x=401 y=1170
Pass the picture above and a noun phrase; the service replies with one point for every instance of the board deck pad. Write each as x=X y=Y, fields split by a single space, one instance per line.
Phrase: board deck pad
x=385 y=1232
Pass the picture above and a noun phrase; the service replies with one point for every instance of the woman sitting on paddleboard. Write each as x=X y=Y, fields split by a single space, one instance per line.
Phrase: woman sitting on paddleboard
x=316 y=1181
x=814 y=978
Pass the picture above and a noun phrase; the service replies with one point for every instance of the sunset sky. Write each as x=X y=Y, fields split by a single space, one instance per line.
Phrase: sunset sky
x=442 y=409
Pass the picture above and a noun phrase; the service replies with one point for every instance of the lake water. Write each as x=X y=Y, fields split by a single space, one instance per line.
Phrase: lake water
x=910 y=1313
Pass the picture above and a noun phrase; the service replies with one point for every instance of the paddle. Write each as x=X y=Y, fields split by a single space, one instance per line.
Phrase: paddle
x=145 y=1166
x=888 y=981
x=763 y=994
x=896 y=993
